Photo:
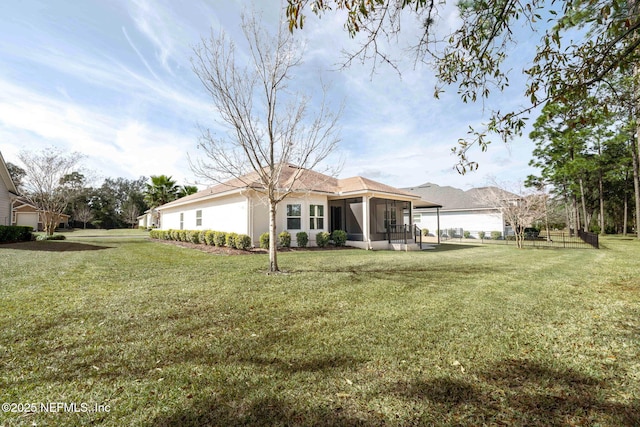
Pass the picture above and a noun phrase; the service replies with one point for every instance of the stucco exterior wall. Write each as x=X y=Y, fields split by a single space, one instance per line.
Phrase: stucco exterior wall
x=227 y=214
x=260 y=217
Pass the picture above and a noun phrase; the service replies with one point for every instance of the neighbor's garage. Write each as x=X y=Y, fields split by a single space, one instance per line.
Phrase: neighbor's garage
x=27 y=218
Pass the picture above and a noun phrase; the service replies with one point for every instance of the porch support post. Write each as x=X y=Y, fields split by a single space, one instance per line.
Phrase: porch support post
x=438 y=219
x=366 y=216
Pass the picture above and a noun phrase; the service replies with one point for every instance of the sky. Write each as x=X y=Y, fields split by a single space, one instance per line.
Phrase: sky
x=113 y=81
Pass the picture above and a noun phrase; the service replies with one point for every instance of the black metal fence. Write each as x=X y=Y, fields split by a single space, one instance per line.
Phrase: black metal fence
x=555 y=239
x=404 y=234
x=589 y=238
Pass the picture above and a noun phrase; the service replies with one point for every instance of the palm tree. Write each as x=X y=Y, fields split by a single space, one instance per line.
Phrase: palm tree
x=186 y=190
x=163 y=189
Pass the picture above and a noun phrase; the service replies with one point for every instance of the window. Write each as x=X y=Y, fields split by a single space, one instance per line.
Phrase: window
x=417 y=218
x=294 y=217
x=181 y=220
x=316 y=217
x=198 y=217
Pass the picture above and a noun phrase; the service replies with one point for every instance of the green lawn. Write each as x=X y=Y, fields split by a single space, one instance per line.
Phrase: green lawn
x=461 y=335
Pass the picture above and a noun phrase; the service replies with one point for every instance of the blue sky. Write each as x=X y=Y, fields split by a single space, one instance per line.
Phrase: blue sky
x=113 y=80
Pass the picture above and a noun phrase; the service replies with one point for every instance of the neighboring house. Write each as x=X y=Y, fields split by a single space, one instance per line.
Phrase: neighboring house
x=8 y=193
x=460 y=210
x=149 y=219
x=25 y=213
x=367 y=210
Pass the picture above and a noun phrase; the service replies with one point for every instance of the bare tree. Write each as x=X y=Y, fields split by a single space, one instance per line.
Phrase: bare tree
x=84 y=214
x=130 y=213
x=44 y=185
x=520 y=207
x=267 y=123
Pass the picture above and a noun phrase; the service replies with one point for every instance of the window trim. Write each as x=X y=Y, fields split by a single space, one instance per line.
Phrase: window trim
x=199 y=218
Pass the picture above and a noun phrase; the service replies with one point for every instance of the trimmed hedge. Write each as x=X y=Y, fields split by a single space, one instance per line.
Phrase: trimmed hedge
x=43 y=237
x=322 y=239
x=302 y=239
x=15 y=233
x=264 y=241
x=339 y=237
x=284 y=238
x=204 y=237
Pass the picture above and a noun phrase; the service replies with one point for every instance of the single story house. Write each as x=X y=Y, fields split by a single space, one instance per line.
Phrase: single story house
x=371 y=213
x=25 y=213
x=8 y=194
x=459 y=210
x=149 y=219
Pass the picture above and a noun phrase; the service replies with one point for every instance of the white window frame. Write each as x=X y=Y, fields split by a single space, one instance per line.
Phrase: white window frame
x=199 y=218
x=316 y=217
x=292 y=216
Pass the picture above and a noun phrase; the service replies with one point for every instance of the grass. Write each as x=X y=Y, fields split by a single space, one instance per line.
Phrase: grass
x=460 y=335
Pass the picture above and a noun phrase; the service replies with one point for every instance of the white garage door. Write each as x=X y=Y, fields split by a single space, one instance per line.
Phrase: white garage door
x=27 y=218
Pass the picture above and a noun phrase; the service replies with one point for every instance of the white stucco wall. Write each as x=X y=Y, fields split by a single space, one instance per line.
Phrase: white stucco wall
x=473 y=221
x=228 y=214
x=305 y=202
x=5 y=205
x=245 y=215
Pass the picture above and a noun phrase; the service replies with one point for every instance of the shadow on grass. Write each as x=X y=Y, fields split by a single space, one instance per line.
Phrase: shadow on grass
x=265 y=411
x=53 y=246
x=515 y=392
x=310 y=364
x=446 y=247
x=520 y=392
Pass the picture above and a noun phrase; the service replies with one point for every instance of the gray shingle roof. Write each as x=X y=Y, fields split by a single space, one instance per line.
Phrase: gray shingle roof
x=451 y=198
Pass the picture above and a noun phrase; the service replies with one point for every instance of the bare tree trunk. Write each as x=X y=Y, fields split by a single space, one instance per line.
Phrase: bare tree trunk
x=636 y=186
x=576 y=212
x=625 y=218
x=273 y=236
x=567 y=212
x=584 y=206
x=636 y=179
x=601 y=189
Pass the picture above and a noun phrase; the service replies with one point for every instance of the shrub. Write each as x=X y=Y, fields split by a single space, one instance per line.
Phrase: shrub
x=284 y=239
x=302 y=239
x=42 y=237
x=243 y=242
x=264 y=240
x=15 y=233
x=155 y=234
x=322 y=239
x=339 y=237
x=219 y=238
x=496 y=235
x=193 y=236
x=466 y=234
x=173 y=234
x=209 y=237
x=425 y=232
x=481 y=234
x=231 y=240
x=202 y=236
x=182 y=235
